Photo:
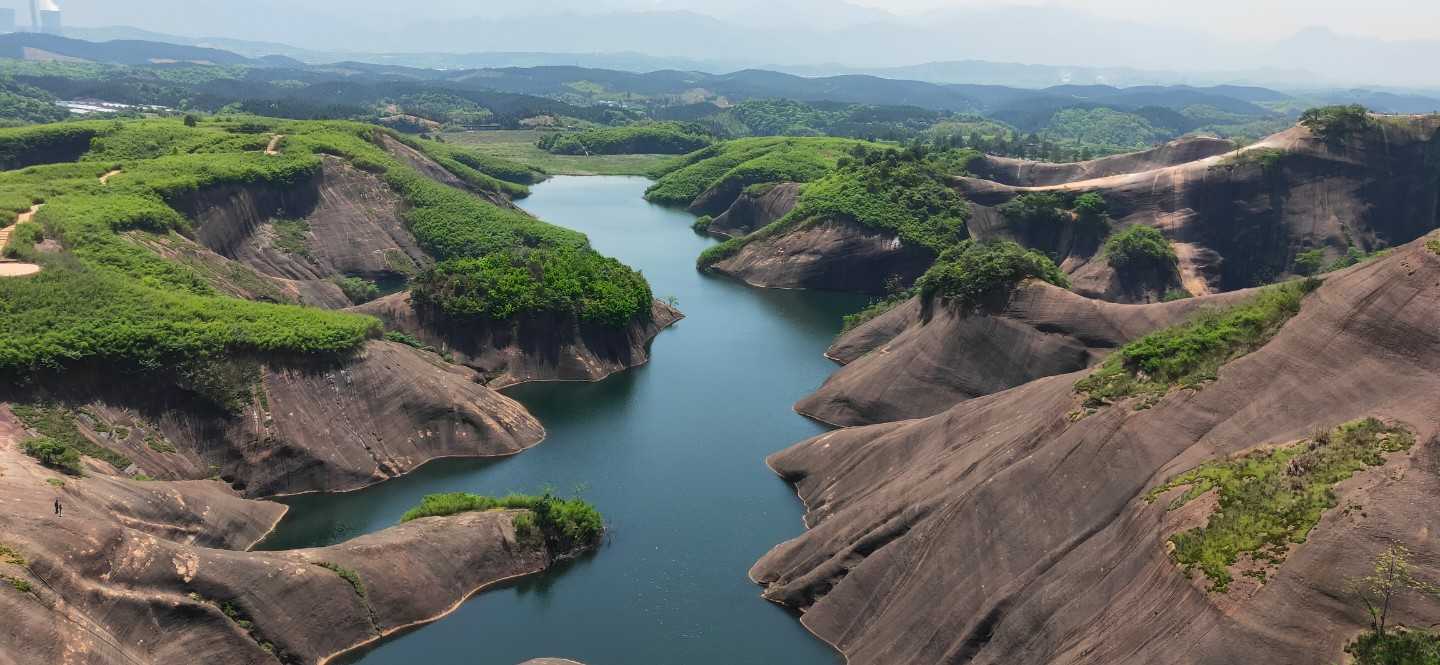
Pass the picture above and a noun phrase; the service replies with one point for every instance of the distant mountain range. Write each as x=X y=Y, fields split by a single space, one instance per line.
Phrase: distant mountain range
x=584 y=85
x=1086 y=48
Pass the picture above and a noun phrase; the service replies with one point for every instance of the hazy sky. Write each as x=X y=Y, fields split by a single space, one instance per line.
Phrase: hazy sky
x=1388 y=19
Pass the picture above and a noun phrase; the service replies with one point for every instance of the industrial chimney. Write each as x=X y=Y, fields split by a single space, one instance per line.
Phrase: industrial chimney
x=45 y=15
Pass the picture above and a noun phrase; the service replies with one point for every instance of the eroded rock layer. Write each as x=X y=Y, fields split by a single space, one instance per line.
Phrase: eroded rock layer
x=539 y=348
x=925 y=356
x=1008 y=530
x=153 y=573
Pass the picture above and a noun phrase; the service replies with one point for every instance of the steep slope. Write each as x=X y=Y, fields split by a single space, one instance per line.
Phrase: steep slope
x=342 y=222
x=542 y=347
x=1024 y=173
x=295 y=426
x=1015 y=529
x=154 y=572
x=923 y=357
x=1242 y=218
x=755 y=209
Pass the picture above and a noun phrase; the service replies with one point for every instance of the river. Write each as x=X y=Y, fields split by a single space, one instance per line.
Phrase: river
x=672 y=453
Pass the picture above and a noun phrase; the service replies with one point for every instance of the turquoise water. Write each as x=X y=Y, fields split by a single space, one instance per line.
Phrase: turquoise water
x=672 y=453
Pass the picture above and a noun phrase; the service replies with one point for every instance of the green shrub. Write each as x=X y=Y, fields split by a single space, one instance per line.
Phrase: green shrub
x=1396 y=647
x=1034 y=209
x=1272 y=498
x=702 y=223
x=972 y=271
x=292 y=236
x=1191 y=353
x=56 y=423
x=54 y=454
x=346 y=574
x=11 y=555
x=1336 y=123
x=1310 y=261
x=1176 y=294
x=567 y=524
x=1140 y=247
x=23 y=586
x=1091 y=208
x=665 y=138
x=358 y=290
x=1433 y=245
x=875 y=310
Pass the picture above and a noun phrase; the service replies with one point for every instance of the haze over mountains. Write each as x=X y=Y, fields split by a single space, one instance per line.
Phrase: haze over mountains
x=827 y=34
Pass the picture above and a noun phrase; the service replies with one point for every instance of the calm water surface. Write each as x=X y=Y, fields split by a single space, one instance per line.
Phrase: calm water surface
x=672 y=453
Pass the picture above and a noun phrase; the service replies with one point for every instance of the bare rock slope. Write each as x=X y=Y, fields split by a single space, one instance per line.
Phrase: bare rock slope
x=1004 y=530
x=540 y=348
x=306 y=427
x=155 y=573
x=923 y=357
x=753 y=211
x=1240 y=218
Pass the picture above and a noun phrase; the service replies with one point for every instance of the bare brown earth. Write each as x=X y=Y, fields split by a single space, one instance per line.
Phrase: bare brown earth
x=1004 y=530
x=923 y=357
x=8 y=267
x=1026 y=173
x=144 y=572
x=750 y=212
x=534 y=348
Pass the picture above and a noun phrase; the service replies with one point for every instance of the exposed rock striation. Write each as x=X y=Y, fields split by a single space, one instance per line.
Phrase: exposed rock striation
x=923 y=357
x=1240 y=218
x=345 y=222
x=752 y=211
x=306 y=426
x=153 y=572
x=834 y=255
x=1004 y=530
x=538 y=348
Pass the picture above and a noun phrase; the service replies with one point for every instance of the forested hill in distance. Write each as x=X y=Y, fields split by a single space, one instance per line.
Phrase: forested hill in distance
x=588 y=86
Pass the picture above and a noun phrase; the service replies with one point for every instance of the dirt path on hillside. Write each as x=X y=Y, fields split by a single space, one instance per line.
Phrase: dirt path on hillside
x=105 y=179
x=9 y=268
x=274 y=147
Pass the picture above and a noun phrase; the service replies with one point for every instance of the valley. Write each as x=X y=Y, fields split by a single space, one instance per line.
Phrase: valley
x=432 y=358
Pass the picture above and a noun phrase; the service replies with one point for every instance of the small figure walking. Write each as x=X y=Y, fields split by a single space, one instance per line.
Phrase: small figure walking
x=59 y=509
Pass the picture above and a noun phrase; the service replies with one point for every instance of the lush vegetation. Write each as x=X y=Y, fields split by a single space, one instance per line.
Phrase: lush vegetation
x=54 y=454
x=1272 y=498
x=740 y=163
x=667 y=138
x=518 y=146
x=108 y=298
x=1336 y=123
x=1192 y=353
x=972 y=271
x=1398 y=647
x=566 y=524
x=347 y=574
x=904 y=192
x=786 y=117
x=1139 y=247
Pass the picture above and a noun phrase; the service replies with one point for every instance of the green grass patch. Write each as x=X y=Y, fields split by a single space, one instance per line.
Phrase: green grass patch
x=745 y=162
x=1270 y=499
x=519 y=146
x=1140 y=247
x=11 y=555
x=1396 y=647
x=292 y=236
x=60 y=434
x=346 y=574
x=1192 y=353
x=875 y=309
x=566 y=523
x=972 y=271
